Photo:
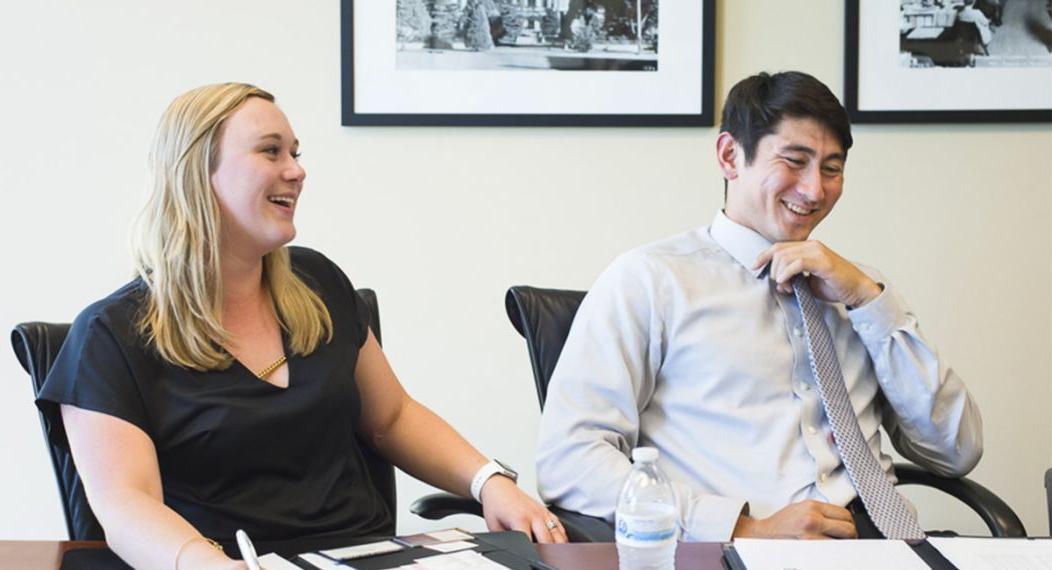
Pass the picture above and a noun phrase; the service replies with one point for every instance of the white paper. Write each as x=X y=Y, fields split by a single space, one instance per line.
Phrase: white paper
x=457 y=561
x=363 y=550
x=449 y=535
x=274 y=562
x=996 y=553
x=765 y=554
x=319 y=561
x=452 y=546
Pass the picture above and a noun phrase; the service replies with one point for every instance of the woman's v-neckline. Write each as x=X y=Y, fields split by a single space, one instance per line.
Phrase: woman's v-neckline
x=287 y=364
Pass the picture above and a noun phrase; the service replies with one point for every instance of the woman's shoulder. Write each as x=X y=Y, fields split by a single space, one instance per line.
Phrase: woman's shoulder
x=317 y=266
x=307 y=258
x=117 y=313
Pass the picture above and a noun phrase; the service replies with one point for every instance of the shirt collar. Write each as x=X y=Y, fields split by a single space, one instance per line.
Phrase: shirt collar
x=744 y=244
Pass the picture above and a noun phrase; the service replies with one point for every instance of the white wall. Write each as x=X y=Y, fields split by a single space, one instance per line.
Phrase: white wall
x=441 y=220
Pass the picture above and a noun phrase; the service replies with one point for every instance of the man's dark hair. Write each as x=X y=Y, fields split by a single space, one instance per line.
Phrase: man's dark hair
x=757 y=104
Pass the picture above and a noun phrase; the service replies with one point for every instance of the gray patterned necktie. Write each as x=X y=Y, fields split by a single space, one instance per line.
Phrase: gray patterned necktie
x=885 y=505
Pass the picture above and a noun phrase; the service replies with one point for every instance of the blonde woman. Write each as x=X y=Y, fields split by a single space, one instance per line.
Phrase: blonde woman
x=224 y=387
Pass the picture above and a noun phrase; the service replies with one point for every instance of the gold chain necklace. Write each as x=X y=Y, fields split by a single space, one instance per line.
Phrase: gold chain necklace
x=262 y=374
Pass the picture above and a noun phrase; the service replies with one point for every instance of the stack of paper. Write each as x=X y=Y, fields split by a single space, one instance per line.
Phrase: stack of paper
x=996 y=553
x=766 y=554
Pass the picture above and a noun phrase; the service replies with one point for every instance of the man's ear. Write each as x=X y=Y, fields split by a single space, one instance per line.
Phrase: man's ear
x=727 y=153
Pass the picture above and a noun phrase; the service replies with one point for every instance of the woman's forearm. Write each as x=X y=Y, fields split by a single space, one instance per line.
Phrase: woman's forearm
x=145 y=533
x=425 y=446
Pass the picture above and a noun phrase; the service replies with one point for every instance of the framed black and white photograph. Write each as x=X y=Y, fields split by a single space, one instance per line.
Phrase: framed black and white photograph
x=528 y=62
x=960 y=61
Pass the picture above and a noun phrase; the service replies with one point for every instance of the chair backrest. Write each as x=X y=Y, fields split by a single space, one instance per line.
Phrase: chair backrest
x=37 y=344
x=543 y=317
x=1048 y=480
x=380 y=470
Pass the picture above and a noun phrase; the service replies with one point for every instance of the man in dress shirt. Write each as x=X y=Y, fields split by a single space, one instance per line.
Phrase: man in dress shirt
x=694 y=345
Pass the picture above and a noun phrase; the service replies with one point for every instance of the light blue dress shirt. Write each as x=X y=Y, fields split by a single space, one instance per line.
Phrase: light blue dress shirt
x=680 y=345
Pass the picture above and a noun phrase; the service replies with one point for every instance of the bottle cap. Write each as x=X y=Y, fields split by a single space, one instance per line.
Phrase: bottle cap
x=644 y=455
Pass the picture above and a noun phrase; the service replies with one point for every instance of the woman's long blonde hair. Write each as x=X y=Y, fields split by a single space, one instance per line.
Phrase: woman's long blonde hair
x=177 y=242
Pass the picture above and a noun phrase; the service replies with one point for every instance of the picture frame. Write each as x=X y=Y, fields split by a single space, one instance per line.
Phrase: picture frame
x=397 y=71
x=934 y=70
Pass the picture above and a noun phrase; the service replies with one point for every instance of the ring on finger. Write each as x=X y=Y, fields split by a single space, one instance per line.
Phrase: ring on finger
x=552 y=524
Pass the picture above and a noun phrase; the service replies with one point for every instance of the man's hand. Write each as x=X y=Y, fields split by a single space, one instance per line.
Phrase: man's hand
x=506 y=507
x=833 y=278
x=806 y=519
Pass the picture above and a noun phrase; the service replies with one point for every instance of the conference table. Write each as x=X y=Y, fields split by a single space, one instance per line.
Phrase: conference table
x=47 y=555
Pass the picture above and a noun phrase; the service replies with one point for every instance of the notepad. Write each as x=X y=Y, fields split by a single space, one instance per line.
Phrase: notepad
x=767 y=554
x=363 y=550
x=463 y=560
x=452 y=546
x=321 y=562
x=450 y=535
x=996 y=553
x=274 y=562
x=424 y=539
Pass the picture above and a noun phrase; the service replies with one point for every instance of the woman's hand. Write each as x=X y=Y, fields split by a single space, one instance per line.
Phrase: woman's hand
x=506 y=507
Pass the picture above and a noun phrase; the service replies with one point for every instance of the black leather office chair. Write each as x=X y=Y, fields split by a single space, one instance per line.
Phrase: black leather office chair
x=37 y=344
x=1048 y=485
x=543 y=318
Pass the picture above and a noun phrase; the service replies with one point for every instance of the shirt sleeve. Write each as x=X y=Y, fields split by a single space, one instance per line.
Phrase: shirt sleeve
x=931 y=418
x=591 y=419
x=92 y=372
x=346 y=308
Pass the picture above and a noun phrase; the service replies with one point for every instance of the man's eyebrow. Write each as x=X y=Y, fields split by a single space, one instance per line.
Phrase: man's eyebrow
x=798 y=148
x=811 y=152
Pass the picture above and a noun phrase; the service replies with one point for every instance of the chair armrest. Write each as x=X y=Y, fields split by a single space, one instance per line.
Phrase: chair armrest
x=583 y=528
x=441 y=505
x=579 y=528
x=998 y=516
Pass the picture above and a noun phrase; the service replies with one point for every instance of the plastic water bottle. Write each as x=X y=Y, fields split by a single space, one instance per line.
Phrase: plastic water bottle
x=646 y=516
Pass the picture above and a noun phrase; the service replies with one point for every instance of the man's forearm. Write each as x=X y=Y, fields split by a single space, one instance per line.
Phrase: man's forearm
x=933 y=419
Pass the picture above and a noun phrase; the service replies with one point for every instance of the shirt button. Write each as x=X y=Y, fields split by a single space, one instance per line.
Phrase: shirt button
x=805 y=386
x=812 y=430
x=823 y=476
x=799 y=333
x=864 y=327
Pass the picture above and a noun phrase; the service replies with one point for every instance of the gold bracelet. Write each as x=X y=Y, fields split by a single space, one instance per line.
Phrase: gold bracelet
x=210 y=542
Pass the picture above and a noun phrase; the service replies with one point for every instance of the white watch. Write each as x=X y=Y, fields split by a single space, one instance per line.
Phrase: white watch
x=494 y=467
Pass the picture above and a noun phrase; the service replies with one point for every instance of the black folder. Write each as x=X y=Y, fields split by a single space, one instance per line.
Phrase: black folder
x=512 y=549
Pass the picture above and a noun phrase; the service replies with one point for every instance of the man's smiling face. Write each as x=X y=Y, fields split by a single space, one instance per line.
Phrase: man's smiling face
x=793 y=182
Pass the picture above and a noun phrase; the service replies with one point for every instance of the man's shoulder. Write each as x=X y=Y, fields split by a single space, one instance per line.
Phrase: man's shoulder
x=685 y=257
x=694 y=245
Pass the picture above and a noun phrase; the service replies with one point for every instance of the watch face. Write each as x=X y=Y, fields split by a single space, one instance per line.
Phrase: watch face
x=508 y=471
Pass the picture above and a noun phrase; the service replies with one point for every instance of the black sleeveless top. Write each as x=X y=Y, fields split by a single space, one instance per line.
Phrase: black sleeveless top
x=235 y=451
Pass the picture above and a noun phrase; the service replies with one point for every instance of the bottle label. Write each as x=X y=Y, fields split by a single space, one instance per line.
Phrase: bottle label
x=653 y=526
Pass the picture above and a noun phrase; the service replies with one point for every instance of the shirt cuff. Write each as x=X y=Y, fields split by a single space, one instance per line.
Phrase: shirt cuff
x=713 y=518
x=879 y=318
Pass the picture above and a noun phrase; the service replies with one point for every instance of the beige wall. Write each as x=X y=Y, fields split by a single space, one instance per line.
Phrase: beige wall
x=441 y=221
